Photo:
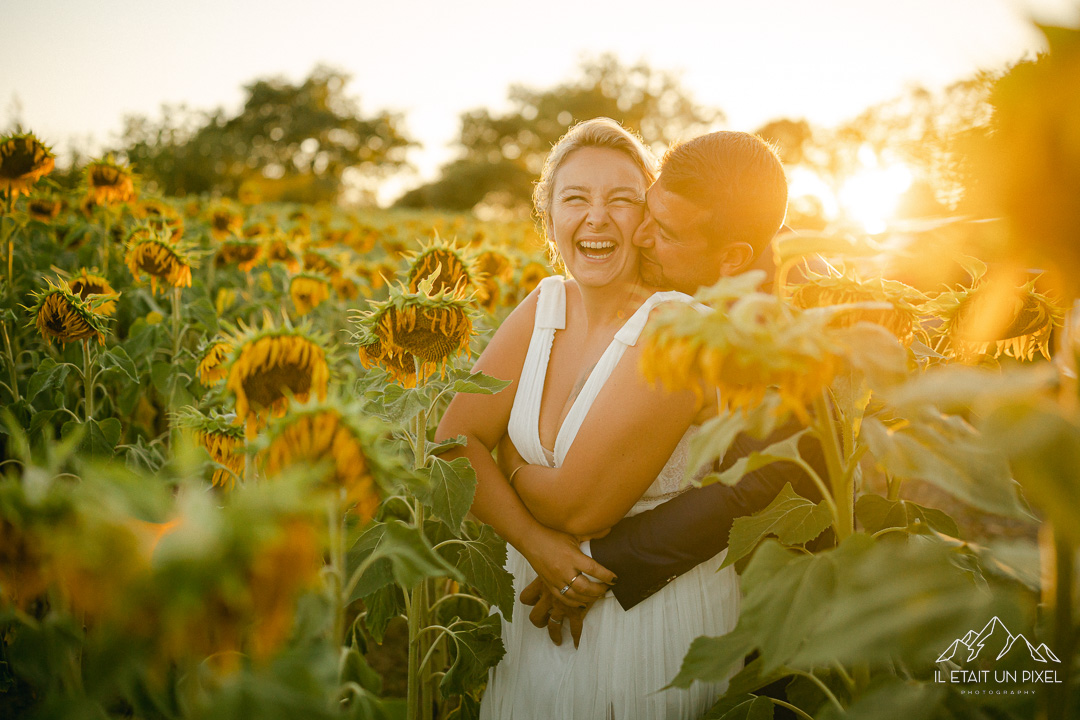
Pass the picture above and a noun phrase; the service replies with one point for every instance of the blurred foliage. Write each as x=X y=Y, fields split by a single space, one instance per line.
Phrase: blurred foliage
x=290 y=142
x=501 y=155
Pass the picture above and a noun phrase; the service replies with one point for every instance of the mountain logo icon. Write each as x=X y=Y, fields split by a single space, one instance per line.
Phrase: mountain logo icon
x=992 y=637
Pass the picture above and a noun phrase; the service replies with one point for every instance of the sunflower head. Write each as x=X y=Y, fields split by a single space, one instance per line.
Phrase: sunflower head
x=320 y=262
x=224 y=221
x=244 y=254
x=212 y=357
x=996 y=317
x=888 y=303
x=271 y=364
x=220 y=437
x=23 y=161
x=308 y=291
x=333 y=435
x=751 y=343
x=44 y=208
x=256 y=230
x=150 y=252
x=531 y=275
x=86 y=284
x=61 y=314
x=278 y=250
x=162 y=217
x=445 y=264
x=429 y=327
x=109 y=183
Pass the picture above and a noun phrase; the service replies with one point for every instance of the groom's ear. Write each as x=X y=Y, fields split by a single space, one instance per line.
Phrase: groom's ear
x=735 y=257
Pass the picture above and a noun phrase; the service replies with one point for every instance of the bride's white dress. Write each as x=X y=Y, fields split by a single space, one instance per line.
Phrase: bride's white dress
x=626 y=657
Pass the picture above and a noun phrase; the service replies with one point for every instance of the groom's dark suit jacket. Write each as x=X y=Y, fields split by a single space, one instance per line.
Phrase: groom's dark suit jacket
x=649 y=550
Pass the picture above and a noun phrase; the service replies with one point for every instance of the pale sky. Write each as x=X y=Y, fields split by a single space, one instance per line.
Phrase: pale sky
x=76 y=68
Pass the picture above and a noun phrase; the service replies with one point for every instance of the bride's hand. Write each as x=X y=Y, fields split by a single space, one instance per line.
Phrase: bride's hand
x=561 y=565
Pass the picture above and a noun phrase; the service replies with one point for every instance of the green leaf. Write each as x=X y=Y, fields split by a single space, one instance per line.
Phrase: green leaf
x=476 y=648
x=893 y=699
x=960 y=388
x=786 y=449
x=411 y=557
x=481 y=561
x=161 y=374
x=791 y=517
x=383 y=605
x=946 y=451
x=875 y=513
x=478 y=383
x=1044 y=450
x=402 y=404
x=1016 y=559
x=451 y=487
x=751 y=678
x=98 y=438
x=712 y=440
x=743 y=707
x=875 y=352
x=438 y=448
x=711 y=659
x=355 y=668
x=204 y=314
x=49 y=374
x=117 y=357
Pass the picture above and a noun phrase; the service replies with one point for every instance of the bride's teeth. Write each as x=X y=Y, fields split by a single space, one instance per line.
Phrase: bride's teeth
x=598 y=245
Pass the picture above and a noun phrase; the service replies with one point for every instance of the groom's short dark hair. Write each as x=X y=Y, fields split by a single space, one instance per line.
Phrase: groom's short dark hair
x=738 y=178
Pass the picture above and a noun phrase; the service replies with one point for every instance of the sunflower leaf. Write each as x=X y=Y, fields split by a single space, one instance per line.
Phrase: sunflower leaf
x=786 y=449
x=481 y=560
x=49 y=374
x=118 y=357
x=451 y=487
x=793 y=519
x=478 y=383
x=476 y=648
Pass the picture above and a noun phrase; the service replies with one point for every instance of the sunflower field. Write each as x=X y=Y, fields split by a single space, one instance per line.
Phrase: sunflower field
x=220 y=496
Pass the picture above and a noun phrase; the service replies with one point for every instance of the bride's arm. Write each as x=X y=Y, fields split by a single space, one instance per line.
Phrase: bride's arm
x=626 y=439
x=483 y=419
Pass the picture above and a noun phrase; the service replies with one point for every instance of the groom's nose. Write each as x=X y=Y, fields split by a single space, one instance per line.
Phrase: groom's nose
x=644 y=235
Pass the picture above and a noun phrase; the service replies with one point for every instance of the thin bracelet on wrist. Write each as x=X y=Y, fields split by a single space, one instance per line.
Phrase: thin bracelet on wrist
x=513 y=473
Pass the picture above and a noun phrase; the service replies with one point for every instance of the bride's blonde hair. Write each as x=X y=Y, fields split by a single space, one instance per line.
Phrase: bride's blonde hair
x=601 y=132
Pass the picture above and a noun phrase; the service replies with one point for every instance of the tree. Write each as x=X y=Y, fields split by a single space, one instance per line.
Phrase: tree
x=298 y=137
x=505 y=153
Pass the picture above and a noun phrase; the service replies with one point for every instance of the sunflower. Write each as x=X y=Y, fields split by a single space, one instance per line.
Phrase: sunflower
x=431 y=328
x=150 y=253
x=445 y=263
x=256 y=230
x=325 y=433
x=338 y=236
x=224 y=222
x=244 y=254
x=531 y=275
x=222 y=439
x=996 y=317
x=308 y=291
x=345 y=287
x=318 y=262
x=401 y=366
x=901 y=318
x=211 y=362
x=269 y=365
x=108 y=182
x=23 y=161
x=277 y=250
x=495 y=267
x=160 y=216
x=44 y=208
x=752 y=342
x=85 y=284
x=60 y=313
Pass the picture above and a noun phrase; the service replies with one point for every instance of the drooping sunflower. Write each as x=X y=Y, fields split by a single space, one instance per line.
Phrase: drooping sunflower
x=531 y=275
x=244 y=254
x=316 y=261
x=345 y=287
x=269 y=365
x=308 y=291
x=221 y=438
x=224 y=221
x=430 y=327
x=751 y=343
x=328 y=433
x=109 y=183
x=86 y=284
x=996 y=318
x=149 y=252
x=256 y=230
x=44 y=208
x=401 y=366
x=23 y=161
x=161 y=216
x=448 y=266
x=495 y=267
x=61 y=314
x=278 y=250
x=901 y=318
x=211 y=366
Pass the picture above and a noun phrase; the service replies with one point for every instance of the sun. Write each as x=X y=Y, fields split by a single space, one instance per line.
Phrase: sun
x=871 y=195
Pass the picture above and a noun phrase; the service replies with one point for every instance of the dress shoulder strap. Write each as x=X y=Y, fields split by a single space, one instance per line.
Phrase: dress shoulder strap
x=551 y=305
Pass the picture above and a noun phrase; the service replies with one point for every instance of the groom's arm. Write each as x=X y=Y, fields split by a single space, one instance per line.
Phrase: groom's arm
x=649 y=550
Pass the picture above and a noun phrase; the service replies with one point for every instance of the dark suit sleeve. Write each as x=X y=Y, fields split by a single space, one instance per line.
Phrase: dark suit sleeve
x=651 y=549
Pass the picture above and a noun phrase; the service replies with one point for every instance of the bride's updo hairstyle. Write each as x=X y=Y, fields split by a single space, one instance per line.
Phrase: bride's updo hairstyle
x=601 y=132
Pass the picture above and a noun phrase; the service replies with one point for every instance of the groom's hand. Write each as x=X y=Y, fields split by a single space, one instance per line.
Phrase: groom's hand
x=547 y=613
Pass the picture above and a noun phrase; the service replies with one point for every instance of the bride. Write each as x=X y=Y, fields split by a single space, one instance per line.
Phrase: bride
x=599 y=443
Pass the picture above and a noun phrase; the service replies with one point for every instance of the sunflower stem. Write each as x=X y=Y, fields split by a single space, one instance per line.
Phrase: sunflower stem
x=11 y=243
x=844 y=524
x=337 y=564
x=10 y=363
x=106 y=242
x=88 y=381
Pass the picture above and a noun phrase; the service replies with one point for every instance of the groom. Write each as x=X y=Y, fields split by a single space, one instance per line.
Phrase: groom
x=719 y=201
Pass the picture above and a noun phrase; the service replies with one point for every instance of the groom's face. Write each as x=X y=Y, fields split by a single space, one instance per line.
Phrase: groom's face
x=675 y=252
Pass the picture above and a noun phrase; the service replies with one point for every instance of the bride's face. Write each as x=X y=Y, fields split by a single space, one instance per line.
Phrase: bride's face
x=597 y=204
